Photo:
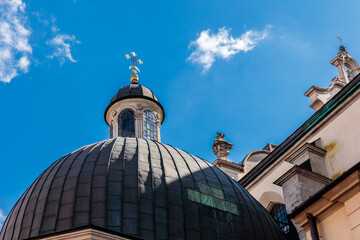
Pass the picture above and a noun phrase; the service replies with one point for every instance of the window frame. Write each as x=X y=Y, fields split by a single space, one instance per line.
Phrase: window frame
x=279 y=214
x=130 y=120
x=150 y=126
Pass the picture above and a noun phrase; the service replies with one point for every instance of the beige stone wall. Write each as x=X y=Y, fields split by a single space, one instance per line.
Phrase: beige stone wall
x=352 y=208
x=334 y=227
x=340 y=137
x=337 y=211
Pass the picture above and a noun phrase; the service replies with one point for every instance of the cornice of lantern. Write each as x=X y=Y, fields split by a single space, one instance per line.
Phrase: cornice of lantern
x=133 y=104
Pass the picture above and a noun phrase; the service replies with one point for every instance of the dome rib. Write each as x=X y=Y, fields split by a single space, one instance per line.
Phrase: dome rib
x=85 y=151
x=40 y=179
x=27 y=230
x=139 y=188
x=164 y=204
x=214 y=171
x=18 y=210
x=117 y=153
x=193 y=180
x=50 y=209
x=149 y=175
x=99 y=192
x=179 y=204
x=77 y=191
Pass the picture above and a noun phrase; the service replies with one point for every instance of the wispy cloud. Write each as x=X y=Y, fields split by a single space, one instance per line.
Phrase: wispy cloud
x=2 y=218
x=210 y=46
x=15 y=49
x=62 y=47
x=61 y=44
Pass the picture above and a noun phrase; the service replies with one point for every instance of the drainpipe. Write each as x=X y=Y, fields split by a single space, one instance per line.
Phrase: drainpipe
x=313 y=228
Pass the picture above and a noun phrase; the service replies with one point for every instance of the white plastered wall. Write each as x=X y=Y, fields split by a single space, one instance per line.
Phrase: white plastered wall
x=234 y=174
x=340 y=136
x=266 y=185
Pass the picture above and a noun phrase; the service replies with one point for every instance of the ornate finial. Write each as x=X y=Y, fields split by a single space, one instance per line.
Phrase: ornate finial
x=220 y=136
x=221 y=147
x=134 y=77
x=342 y=47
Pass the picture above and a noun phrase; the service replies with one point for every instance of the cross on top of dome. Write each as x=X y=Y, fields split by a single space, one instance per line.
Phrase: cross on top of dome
x=134 y=77
x=342 y=47
x=340 y=39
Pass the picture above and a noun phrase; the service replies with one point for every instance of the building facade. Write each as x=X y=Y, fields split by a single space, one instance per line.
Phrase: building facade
x=311 y=180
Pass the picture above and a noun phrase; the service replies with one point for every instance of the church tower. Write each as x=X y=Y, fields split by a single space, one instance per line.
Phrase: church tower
x=135 y=111
x=346 y=65
x=347 y=68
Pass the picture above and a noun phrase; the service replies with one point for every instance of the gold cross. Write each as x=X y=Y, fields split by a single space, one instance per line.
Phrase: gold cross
x=340 y=39
x=133 y=68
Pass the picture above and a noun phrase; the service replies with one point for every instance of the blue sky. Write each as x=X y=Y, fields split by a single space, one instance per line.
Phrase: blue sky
x=239 y=67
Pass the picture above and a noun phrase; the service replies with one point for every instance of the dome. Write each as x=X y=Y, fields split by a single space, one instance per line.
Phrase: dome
x=141 y=188
x=134 y=91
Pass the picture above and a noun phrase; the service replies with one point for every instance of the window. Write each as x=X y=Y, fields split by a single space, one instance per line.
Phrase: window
x=278 y=212
x=127 y=123
x=111 y=130
x=150 y=126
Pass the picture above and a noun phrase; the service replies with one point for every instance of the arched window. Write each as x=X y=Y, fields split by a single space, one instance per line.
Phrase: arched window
x=127 y=123
x=278 y=212
x=111 y=130
x=150 y=127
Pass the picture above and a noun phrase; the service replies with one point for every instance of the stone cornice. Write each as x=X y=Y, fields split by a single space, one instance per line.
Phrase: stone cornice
x=307 y=147
x=336 y=61
x=298 y=170
x=86 y=232
x=314 y=88
x=220 y=163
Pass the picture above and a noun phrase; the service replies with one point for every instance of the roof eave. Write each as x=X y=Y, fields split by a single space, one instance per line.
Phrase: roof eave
x=313 y=121
x=134 y=96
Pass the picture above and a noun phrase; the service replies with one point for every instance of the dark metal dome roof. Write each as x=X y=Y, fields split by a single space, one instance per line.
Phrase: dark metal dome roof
x=134 y=91
x=141 y=188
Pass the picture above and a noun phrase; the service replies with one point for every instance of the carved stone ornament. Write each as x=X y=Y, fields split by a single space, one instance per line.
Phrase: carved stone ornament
x=220 y=136
x=138 y=114
x=221 y=147
x=139 y=106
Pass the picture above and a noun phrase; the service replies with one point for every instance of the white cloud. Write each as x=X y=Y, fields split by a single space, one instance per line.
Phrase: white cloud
x=54 y=29
x=61 y=43
x=24 y=64
x=2 y=218
x=222 y=45
x=14 y=40
x=62 y=47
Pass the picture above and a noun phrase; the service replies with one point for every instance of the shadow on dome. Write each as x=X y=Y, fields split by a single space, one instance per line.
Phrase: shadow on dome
x=140 y=188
